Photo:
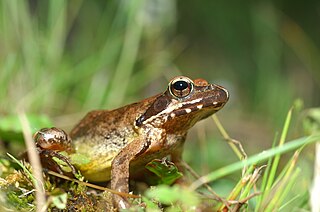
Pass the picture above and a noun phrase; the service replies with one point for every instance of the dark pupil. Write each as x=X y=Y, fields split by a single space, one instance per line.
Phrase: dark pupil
x=180 y=85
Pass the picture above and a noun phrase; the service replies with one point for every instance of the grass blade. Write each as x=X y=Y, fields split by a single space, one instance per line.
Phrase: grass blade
x=289 y=146
x=277 y=157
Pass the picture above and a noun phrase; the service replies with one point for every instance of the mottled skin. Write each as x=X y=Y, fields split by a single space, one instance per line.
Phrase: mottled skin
x=101 y=134
x=121 y=141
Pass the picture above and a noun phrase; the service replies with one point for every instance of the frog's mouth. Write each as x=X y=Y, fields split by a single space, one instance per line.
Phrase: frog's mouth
x=214 y=99
x=213 y=106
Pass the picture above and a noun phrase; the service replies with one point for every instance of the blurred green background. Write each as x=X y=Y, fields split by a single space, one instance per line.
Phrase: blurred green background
x=65 y=58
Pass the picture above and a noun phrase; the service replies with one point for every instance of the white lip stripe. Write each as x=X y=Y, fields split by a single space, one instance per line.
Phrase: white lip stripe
x=194 y=101
x=215 y=103
x=170 y=109
x=188 y=110
x=199 y=106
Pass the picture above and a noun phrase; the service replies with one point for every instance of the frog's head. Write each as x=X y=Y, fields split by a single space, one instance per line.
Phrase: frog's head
x=183 y=104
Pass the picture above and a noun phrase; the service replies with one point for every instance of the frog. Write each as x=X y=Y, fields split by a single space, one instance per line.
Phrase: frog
x=122 y=141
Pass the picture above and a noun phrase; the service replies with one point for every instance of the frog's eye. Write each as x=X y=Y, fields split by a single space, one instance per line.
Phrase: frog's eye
x=180 y=87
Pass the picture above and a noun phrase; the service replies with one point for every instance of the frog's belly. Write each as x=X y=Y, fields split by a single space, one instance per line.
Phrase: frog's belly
x=98 y=170
x=99 y=167
x=100 y=153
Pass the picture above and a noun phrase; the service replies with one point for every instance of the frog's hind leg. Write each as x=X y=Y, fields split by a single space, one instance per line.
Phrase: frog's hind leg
x=46 y=157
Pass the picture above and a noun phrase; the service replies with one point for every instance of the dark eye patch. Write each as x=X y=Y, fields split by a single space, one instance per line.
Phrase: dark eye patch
x=159 y=104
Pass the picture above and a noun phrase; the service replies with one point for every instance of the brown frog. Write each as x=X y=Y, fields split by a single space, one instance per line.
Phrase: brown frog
x=120 y=142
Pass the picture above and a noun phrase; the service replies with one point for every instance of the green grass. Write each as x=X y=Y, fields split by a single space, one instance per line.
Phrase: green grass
x=45 y=68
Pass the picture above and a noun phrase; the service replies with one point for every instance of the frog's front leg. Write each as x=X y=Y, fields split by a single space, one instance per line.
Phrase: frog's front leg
x=120 y=169
x=176 y=155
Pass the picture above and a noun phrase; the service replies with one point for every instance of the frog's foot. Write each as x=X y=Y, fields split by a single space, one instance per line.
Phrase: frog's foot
x=120 y=202
x=47 y=158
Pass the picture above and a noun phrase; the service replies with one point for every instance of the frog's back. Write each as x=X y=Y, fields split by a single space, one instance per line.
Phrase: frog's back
x=102 y=123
